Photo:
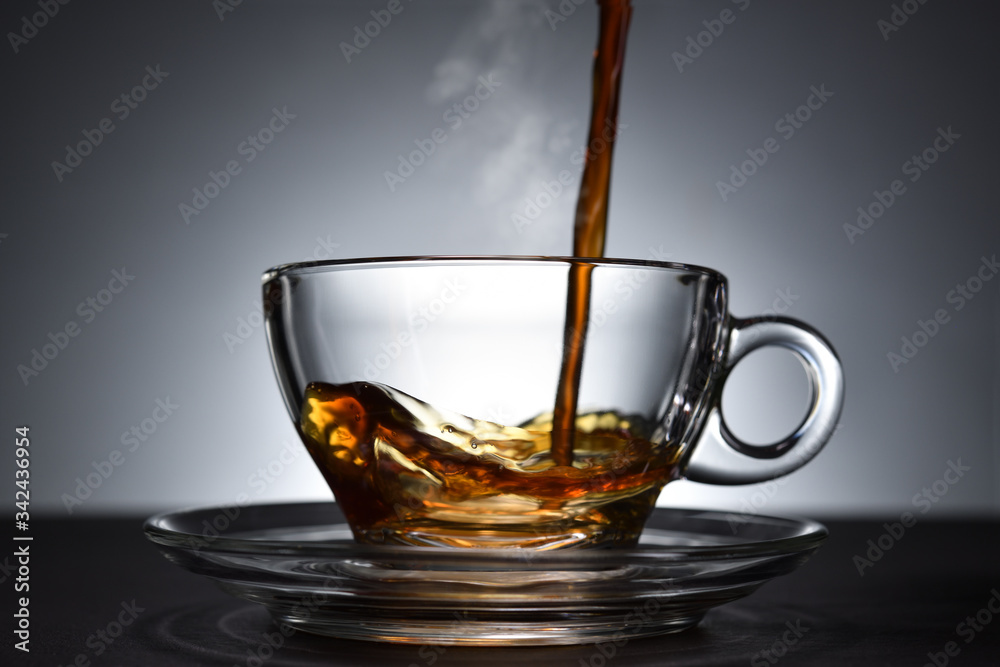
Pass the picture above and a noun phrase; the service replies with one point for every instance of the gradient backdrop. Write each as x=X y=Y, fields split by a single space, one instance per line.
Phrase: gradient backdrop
x=184 y=328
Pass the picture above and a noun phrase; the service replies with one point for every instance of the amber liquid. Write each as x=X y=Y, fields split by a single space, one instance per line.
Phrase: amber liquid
x=590 y=226
x=405 y=472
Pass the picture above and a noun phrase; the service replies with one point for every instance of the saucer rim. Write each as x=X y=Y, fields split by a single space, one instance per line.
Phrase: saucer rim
x=809 y=534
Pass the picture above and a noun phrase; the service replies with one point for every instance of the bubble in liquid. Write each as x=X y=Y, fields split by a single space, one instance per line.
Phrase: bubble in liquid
x=448 y=428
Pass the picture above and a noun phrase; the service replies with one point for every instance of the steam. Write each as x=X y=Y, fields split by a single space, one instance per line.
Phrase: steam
x=514 y=140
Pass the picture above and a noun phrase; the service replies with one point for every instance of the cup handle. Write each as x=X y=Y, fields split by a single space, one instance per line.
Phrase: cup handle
x=719 y=457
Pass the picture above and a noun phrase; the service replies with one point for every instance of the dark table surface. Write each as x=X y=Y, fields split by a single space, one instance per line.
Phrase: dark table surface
x=909 y=608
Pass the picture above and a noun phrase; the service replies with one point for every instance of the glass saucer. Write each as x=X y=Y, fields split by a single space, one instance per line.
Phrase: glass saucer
x=301 y=562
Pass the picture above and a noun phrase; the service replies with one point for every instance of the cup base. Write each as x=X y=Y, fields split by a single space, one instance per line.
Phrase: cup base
x=534 y=537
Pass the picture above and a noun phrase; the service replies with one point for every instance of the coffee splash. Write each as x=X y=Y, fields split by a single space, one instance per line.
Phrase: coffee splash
x=405 y=472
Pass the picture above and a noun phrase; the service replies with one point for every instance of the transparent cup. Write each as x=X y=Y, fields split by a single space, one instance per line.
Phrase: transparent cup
x=424 y=388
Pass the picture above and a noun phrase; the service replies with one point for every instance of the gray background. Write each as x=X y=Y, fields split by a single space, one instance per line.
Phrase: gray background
x=319 y=190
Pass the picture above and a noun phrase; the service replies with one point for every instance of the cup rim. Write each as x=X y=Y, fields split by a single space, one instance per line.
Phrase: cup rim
x=321 y=266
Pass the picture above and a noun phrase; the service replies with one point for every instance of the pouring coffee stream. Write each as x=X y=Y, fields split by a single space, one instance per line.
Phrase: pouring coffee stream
x=590 y=225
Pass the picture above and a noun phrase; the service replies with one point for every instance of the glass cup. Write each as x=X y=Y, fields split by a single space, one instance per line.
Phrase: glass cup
x=424 y=390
